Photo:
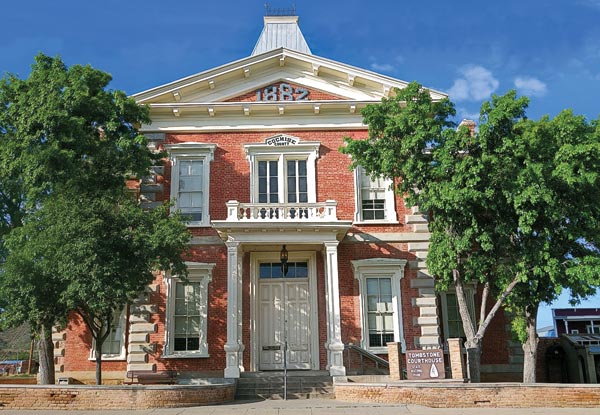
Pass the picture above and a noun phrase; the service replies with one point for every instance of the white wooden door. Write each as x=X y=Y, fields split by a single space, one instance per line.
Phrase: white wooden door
x=284 y=313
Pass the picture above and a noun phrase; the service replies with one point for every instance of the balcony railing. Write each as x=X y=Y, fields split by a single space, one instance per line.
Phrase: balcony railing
x=281 y=212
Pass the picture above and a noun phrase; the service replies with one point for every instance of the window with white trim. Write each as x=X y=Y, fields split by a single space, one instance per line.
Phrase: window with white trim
x=380 y=302
x=190 y=180
x=187 y=308
x=593 y=327
x=452 y=322
x=113 y=347
x=374 y=198
x=283 y=173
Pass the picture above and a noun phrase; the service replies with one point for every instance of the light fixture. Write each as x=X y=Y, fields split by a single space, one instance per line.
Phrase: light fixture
x=283 y=258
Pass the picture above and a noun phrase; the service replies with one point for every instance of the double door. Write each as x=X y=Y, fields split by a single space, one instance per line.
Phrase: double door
x=284 y=323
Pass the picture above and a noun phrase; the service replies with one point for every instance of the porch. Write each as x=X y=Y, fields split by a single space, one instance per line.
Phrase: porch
x=283 y=308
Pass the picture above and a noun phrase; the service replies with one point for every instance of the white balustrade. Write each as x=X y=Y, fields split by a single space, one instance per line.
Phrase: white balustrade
x=281 y=212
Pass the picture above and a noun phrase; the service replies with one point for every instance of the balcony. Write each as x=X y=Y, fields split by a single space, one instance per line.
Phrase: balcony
x=281 y=212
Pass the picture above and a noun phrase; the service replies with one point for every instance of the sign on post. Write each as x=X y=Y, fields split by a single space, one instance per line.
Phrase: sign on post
x=425 y=364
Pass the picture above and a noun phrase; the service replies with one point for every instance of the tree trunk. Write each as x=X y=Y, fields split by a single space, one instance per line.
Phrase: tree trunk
x=98 y=356
x=530 y=345
x=46 y=350
x=473 y=361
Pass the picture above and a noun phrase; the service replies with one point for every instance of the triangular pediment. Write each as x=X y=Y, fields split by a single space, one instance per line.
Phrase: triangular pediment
x=281 y=72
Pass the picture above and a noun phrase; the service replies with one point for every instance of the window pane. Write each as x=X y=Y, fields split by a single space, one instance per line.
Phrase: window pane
x=385 y=285
x=196 y=168
x=180 y=307
x=373 y=286
x=301 y=270
x=262 y=168
x=302 y=168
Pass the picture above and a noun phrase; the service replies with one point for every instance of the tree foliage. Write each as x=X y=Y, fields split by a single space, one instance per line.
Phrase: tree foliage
x=512 y=206
x=75 y=241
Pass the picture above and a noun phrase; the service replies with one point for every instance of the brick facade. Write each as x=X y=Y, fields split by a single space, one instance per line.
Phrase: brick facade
x=217 y=112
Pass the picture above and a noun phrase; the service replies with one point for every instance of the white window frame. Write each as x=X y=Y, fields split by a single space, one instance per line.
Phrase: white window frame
x=593 y=327
x=390 y=201
x=308 y=151
x=197 y=272
x=111 y=356
x=192 y=151
x=470 y=296
x=392 y=268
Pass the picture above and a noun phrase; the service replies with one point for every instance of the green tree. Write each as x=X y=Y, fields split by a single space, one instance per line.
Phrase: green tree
x=62 y=132
x=444 y=171
x=97 y=254
x=555 y=191
x=481 y=192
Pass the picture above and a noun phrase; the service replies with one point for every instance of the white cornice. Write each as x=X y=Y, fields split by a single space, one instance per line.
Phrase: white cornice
x=239 y=68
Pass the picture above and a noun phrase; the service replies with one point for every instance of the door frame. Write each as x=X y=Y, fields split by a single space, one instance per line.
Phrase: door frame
x=294 y=256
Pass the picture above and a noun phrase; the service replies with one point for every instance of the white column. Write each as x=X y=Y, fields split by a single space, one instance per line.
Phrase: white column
x=334 y=345
x=234 y=346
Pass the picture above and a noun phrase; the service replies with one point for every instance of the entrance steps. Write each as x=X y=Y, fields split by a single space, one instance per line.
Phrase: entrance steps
x=270 y=385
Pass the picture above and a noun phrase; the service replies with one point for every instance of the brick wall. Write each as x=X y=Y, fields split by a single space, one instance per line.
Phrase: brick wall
x=443 y=395
x=230 y=180
x=106 y=398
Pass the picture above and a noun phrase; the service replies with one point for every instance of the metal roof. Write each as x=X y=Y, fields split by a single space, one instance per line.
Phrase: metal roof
x=281 y=32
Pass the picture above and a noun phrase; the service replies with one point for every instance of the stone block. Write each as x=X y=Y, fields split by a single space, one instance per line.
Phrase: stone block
x=143 y=328
x=141 y=366
x=139 y=338
x=422 y=283
x=137 y=358
x=418 y=246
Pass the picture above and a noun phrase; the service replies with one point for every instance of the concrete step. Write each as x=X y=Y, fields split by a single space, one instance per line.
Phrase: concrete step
x=271 y=386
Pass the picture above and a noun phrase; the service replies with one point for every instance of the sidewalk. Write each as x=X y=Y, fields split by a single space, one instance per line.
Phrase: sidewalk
x=319 y=407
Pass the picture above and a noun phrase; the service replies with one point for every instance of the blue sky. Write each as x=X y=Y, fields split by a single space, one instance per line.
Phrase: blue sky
x=548 y=50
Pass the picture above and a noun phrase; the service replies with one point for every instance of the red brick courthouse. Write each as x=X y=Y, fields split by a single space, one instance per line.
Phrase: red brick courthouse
x=254 y=162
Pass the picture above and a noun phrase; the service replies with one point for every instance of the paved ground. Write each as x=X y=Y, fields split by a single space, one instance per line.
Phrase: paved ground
x=320 y=407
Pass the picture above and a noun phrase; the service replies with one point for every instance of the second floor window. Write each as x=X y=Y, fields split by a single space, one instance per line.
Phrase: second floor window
x=190 y=180
x=295 y=181
x=374 y=199
x=283 y=174
x=191 y=193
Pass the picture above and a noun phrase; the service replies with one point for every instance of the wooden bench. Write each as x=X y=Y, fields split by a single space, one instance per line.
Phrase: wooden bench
x=150 y=377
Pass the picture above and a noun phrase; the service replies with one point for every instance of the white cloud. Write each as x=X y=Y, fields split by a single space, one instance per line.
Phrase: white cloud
x=382 y=67
x=475 y=84
x=530 y=86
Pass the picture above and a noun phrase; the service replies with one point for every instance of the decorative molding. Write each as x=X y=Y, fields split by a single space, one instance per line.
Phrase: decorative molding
x=246 y=72
x=211 y=83
x=177 y=95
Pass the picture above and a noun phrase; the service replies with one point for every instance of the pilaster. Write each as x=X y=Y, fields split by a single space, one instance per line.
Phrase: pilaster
x=334 y=345
x=234 y=346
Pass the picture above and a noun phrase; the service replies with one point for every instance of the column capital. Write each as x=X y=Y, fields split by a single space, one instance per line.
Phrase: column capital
x=329 y=245
x=232 y=244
